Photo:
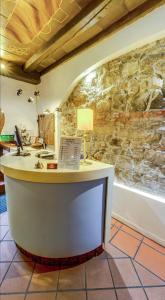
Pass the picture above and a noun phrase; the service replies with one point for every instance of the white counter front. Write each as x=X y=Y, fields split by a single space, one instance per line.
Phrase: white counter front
x=58 y=214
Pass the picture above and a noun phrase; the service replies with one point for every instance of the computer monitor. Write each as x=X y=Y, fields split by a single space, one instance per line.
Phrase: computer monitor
x=18 y=138
x=19 y=143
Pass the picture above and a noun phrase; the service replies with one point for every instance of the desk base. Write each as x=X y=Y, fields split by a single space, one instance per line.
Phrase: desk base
x=64 y=262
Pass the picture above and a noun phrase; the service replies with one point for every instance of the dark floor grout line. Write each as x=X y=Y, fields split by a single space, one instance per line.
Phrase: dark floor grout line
x=149 y=271
x=57 y=286
x=118 y=229
x=82 y=290
x=10 y=262
x=139 y=279
x=154 y=248
x=138 y=248
x=121 y=251
x=5 y=235
x=112 y=279
x=131 y=234
x=34 y=265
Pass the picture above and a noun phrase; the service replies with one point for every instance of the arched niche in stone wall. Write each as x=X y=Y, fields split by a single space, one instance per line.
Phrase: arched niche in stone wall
x=127 y=95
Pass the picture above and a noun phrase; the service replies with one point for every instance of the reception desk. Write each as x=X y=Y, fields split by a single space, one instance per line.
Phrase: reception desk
x=59 y=217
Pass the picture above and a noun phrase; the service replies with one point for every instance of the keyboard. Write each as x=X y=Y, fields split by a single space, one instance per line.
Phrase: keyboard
x=45 y=154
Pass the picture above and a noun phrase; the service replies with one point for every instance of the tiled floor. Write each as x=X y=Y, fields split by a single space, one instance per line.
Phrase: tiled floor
x=131 y=268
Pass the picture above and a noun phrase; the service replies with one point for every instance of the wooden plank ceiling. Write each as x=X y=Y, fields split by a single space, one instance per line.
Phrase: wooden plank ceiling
x=37 y=35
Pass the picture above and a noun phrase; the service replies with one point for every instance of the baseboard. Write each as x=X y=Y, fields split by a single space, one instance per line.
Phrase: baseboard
x=139 y=229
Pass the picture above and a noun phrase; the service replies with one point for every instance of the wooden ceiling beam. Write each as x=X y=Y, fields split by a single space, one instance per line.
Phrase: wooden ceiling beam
x=14 y=71
x=132 y=16
x=78 y=21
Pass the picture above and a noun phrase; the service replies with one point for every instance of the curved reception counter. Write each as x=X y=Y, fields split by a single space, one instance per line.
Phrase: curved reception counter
x=59 y=217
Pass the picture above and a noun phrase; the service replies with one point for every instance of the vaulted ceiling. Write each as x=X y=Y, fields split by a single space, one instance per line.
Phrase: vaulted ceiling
x=37 y=35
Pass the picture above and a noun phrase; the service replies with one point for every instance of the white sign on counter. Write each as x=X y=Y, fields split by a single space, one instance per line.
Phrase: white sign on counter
x=69 y=153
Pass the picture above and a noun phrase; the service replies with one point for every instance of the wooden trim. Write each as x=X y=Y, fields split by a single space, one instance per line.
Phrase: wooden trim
x=85 y=15
x=132 y=16
x=16 y=72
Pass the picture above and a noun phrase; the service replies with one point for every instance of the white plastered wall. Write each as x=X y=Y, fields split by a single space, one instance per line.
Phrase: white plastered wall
x=16 y=108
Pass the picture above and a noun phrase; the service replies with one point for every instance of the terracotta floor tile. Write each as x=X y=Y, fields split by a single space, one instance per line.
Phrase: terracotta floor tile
x=118 y=224
x=131 y=231
x=4 y=219
x=113 y=232
x=154 y=245
x=126 y=243
x=3 y=231
x=8 y=237
x=113 y=252
x=71 y=296
x=3 y=270
x=41 y=296
x=21 y=257
x=131 y=294
x=12 y=297
x=44 y=278
x=152 y=260
x=73 y=278
x=155 y=293
x=98 y=274
x=102 y=295
x=17 y=278
x=123 y=273
x=113 y=221
x=146 y=277
x=7 y=250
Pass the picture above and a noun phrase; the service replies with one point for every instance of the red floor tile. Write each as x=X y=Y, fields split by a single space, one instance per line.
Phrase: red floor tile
x=113 y=252
x=131 y=294
x=3 y=269
x=17 y=278
x=113 y=232
x=123 y=273
x=102 y=295
x=126 y=243
x=147 y=278
x=71 y=296
x=7 y=250
x=155 y=293
x=152 y=260
x=118 y=224
x=154 y=245
x=73 y=278
x=113 y=221
x=41 y=296
x=44 y=279
x=12 y=297
x=98 y=274
x=131 y=231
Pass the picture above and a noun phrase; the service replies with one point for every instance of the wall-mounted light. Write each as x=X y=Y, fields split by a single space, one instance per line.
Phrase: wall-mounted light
x=2 y=66
x=19 y=92
x=30 y=100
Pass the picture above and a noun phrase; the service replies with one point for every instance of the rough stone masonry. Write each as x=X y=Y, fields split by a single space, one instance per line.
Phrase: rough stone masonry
x=127 y=95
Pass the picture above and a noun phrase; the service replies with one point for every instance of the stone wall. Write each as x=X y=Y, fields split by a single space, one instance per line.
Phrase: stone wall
x=127 y=95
